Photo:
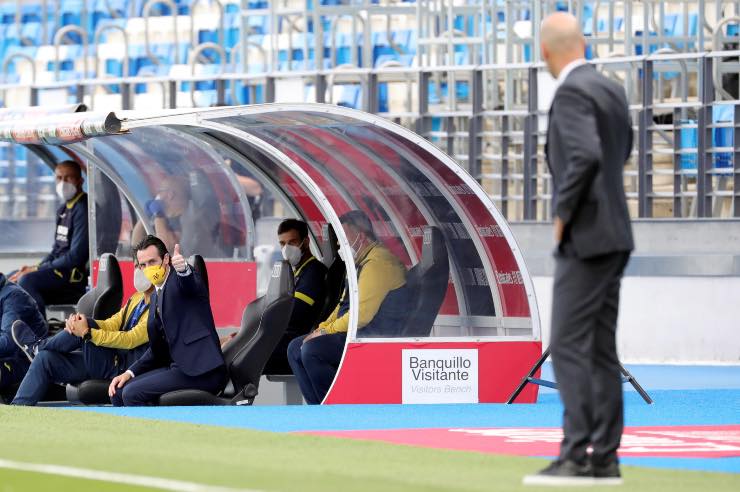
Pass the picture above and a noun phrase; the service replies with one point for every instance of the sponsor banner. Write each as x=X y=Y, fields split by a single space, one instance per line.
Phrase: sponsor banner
x=59 y=128
x=439 y=376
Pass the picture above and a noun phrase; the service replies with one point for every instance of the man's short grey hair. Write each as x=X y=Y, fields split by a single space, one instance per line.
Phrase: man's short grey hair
x=360 y=221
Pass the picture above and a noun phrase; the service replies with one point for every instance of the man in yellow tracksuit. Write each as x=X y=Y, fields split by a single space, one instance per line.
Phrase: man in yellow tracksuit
x=383 y=304
x=108 y=346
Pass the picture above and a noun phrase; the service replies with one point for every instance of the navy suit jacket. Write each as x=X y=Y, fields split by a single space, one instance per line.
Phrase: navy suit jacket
x=589 y=139
x=181 y=329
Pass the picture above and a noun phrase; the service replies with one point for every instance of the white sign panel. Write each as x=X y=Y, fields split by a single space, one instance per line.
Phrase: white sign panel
x=440 y=376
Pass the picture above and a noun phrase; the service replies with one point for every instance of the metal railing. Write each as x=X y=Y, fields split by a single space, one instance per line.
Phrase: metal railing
x=483 y=107
x=680 y=168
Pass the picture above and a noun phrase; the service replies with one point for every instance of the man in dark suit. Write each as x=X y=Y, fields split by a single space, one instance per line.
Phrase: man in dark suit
x=184 y=351
x=588 y=141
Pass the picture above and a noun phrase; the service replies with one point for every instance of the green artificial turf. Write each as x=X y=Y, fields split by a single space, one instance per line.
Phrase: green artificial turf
x=271 y=461
x=11 y=480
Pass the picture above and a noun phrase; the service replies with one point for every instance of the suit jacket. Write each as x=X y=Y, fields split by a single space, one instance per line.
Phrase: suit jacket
x=181 y=328
x=589 y=139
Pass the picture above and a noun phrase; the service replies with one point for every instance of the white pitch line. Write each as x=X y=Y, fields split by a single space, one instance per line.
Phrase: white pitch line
x=124 y=478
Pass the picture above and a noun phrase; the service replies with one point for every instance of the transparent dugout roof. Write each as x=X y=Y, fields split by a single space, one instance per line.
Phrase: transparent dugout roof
x=318 y=162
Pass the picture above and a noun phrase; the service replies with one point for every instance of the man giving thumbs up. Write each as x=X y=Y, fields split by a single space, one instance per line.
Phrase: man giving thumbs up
x=184 y=351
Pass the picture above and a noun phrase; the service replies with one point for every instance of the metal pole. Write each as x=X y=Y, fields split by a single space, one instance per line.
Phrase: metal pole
x=269 y=89
x=736 y=163
x=645 y=155
x=530 y=148
x=423 y=123
x=505 y=140
x=475 y=140
x=370 y=93
x=704 y=134
x=677 y=176
x=320 y=83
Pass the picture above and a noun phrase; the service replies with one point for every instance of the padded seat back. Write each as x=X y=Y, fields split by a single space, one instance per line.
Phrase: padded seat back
x=199 y=266
x=428 y=282
x=335 y=273
x=263 y=324
x=104 y=300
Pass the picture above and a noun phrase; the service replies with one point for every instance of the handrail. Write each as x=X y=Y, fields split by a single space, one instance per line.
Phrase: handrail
x=6 y=63
x=59 y=37
x=330 y=81
x=684 y=71
x=333 y=37
x=395 y=47
x=234 y=54
x=102 y=27
x=113 y=12
x=221 y=17
x=409 y=89
x=717 y=75
x=146 y=13
x=194 y=59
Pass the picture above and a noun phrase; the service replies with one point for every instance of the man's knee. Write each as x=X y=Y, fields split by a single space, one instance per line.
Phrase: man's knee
x=130 y=396
x=294 y=349
x=45 y=360
x=28 y=282
x=314 y=353
x=134 y=395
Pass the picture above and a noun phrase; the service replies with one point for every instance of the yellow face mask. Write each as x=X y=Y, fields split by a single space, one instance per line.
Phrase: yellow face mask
x=155 y=274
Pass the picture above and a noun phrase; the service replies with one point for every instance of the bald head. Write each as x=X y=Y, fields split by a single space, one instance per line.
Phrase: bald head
x=561 y=40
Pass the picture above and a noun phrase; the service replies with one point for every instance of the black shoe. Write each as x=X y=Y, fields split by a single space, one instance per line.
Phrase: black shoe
x=607 y=474
x=562 y=473
x=25 y=338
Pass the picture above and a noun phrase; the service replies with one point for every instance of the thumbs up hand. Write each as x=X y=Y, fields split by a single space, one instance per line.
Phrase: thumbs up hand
x=178 y=261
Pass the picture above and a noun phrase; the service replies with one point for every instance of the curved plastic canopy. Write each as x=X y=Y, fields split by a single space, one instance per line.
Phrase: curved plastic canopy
x=317 y=162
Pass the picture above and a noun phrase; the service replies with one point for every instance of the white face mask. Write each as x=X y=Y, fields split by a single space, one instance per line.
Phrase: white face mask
x=292 y=254
x=66 y=191
x=353 y=247
x=352 y=251
x=141 y=283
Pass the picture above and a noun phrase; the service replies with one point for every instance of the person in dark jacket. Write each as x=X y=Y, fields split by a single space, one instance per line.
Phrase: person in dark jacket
x=589 y=140
x=61 y=277
x=86 y=348
x=310 y=290
x=15 y=304
x=383 y=304
x=184 y=350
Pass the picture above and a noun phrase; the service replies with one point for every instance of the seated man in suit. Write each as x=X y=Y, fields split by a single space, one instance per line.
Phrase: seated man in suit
x=108 y=346
x=184 y=351
x=15 y=304
x=383 y=303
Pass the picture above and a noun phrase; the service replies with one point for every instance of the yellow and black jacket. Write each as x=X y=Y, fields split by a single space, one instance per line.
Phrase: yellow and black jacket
x=382 y=294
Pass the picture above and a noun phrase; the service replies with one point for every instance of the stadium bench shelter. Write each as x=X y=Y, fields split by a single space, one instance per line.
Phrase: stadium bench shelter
x=473 y=329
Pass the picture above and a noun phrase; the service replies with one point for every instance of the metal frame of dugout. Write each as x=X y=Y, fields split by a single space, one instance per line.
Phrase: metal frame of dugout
x=317 y=162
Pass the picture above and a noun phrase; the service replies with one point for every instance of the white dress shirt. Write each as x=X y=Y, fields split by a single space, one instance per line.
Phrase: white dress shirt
x=569 y=68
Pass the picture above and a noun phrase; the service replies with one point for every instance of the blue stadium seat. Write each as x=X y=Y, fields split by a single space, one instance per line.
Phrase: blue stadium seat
x=721 y=137
x=7 y=13
x=351 y=96
x=70 y=12
x=26 y=50
x=407 y=39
